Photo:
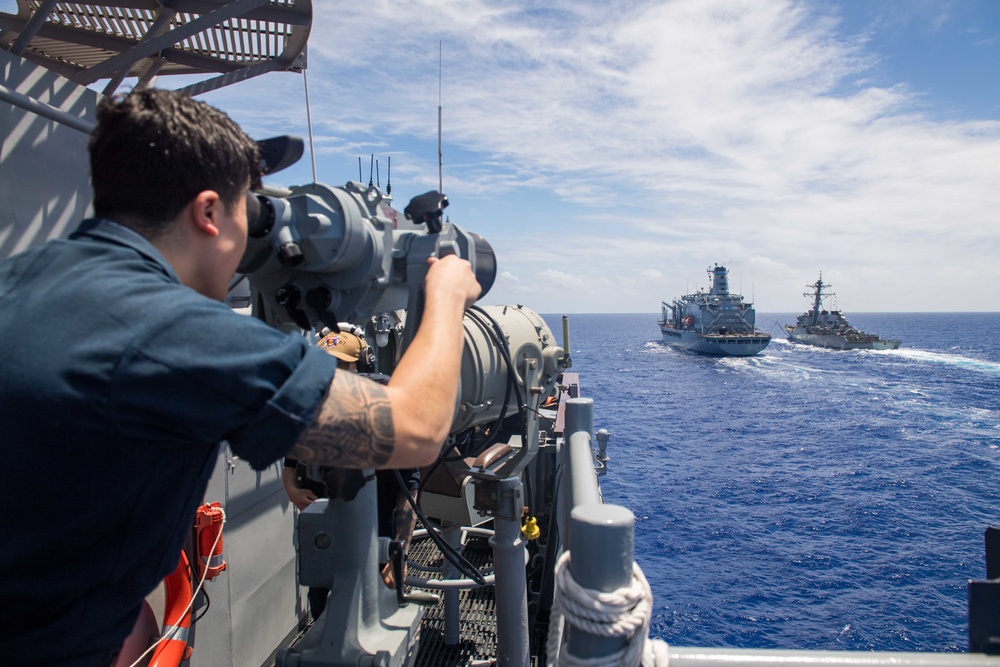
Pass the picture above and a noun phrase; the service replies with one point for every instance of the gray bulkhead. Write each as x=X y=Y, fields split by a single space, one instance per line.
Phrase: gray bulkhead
x=45 y=188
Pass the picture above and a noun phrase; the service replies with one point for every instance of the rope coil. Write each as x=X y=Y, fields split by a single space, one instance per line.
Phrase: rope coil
x=625 y=612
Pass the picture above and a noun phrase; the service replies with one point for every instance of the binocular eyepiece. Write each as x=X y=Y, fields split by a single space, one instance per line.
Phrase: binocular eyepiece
x=260 y=215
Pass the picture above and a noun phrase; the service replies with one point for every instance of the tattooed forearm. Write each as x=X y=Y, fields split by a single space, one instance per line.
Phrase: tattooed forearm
x=404 y=521
x=353 y=429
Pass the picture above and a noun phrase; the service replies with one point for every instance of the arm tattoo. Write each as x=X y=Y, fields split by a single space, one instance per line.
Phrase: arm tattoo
x=404 y=521
x=353 y=428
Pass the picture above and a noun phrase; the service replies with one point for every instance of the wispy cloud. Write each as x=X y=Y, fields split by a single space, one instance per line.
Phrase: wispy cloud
x=664 y=136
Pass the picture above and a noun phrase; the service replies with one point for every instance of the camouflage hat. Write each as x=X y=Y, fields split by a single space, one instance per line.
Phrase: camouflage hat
x=345 y=346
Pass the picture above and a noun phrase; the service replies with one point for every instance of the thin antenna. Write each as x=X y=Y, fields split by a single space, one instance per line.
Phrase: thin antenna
x=371 y=168
x=440 y=161
x=360 y=177
x=388 y=176
x=378 y=179
x=309 y=122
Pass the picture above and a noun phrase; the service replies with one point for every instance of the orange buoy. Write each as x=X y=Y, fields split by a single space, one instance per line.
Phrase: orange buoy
x=176 y=617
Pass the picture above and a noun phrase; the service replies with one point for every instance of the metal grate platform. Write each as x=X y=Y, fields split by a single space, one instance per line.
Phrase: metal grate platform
x=478 y=638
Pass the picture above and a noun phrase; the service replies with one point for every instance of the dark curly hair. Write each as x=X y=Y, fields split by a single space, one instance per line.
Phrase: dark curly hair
x=154 y=150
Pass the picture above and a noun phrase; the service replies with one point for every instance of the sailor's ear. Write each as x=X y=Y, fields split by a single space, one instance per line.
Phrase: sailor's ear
x=205 y=209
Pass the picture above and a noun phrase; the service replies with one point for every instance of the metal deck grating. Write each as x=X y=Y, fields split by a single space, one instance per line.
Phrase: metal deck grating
x=477 y=624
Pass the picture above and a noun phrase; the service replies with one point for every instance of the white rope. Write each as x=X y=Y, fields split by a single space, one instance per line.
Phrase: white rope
x=624 y=613
x=174 y=629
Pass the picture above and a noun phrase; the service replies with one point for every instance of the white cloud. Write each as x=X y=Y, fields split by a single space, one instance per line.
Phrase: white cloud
x=554 y=279
x=651 y=274
x=593 y=143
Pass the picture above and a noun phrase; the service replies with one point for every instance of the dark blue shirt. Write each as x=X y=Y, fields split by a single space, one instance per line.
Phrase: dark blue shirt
x=116 y=385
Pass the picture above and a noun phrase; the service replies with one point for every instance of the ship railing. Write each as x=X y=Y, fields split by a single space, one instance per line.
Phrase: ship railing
x=596 y=571
x=598 y=552
x=731 y=657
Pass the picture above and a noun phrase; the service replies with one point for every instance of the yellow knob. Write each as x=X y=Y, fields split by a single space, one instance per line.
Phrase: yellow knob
x=530 y=529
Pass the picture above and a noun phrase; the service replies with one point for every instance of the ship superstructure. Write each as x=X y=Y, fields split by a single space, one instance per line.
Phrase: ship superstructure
x=829 y=328
x=714 y=322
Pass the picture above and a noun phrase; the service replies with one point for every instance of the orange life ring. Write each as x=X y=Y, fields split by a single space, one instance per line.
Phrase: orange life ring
x=176 y=617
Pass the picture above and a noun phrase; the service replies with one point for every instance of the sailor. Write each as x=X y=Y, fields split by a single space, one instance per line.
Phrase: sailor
x=123 y=371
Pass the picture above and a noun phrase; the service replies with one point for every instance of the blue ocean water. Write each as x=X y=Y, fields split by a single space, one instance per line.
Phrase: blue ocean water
x=803 y=498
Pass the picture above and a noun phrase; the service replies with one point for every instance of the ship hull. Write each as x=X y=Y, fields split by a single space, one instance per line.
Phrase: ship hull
x=835 y=342
x=718 y=345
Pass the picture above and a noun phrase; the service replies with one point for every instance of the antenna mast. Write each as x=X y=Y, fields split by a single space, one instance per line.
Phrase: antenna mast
x=309 y=122
x=440 y=161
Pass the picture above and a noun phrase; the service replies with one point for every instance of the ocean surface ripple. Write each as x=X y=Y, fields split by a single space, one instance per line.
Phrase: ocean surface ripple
x=803 y=498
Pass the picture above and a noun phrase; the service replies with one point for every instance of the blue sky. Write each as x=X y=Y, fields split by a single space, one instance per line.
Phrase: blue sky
x=610 y=152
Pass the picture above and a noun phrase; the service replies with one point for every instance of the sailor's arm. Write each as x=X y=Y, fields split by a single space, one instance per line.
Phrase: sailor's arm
x=363 y=424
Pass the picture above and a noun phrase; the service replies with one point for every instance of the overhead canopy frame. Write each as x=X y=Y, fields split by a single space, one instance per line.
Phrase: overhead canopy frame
x=114 y=39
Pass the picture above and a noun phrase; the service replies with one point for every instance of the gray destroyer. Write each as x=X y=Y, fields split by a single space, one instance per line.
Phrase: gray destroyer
x=829 y=328
x=715 y=323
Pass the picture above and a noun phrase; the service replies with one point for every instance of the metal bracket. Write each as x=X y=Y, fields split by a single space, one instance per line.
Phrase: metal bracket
x=984 y=601
x=500 y=498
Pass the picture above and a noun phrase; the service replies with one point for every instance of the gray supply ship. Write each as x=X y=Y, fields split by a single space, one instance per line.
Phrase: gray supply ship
x=829 y=328
x=715 y=322
x=500 y=595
